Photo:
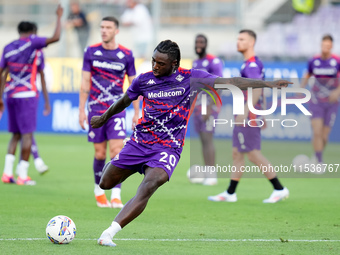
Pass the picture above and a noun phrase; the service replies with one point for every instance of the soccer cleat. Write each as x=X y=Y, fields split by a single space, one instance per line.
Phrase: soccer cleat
x=277 y=196
x=224 y=196
x=27 y=181
x=116 y=203
x=106 y=240
x=210 y=181
x=102 y=201
x=40 y=166
x=7 y=179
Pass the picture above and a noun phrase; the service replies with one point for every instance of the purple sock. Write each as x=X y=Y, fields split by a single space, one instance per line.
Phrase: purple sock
x=118 y=186
x=97 y=169
x=34 y=149
x=318 y=155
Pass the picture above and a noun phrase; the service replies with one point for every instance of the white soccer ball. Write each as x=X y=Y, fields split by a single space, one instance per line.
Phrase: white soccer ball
x=299 y=162
x=61 y=230
x=194 y=175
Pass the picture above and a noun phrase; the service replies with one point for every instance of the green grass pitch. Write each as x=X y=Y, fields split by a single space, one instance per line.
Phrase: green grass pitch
x=178 y=219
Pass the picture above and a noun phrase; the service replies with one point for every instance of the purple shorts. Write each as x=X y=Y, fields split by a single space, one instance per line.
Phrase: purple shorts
x=324 y=110
x=246 y=139
x=204 y=126
x=115 y=128
x=136 y=158
x=22 y=115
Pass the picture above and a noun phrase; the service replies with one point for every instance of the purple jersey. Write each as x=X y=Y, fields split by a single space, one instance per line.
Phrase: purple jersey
x=20 y=56
x=108 y=69
x=253 y=69
x=166 y=107
x=325 y=71
x=210 y=64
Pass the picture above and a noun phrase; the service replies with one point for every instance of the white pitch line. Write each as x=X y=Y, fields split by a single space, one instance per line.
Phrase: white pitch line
x=180 y=240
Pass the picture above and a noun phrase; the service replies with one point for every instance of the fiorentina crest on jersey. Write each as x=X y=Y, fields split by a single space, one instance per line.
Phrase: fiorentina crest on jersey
x=179 y=78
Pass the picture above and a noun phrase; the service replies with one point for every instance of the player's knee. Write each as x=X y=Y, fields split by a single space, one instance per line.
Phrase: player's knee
x=150 y=185
x=325 y=139
x=254 y=156
x=236 y=154
x=16 y=136
x=26 y=141
x=115 y=151
x=105 y=183
x=317 y=133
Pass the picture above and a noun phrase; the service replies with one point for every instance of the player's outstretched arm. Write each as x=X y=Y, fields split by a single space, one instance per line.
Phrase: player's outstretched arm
x=244 y=83
x=56 y=35
x=119 y=106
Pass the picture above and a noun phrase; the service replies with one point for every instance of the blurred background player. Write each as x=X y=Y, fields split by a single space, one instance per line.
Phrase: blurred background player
x=39 y=164
x=20 y=57
x=138 y=17
x=77 y=20
x=204 y=123
x=104 y=68
x=247 y=139
x=325 y=95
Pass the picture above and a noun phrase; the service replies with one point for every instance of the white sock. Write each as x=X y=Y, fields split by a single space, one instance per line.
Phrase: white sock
x=98 y=191
x=113 y=229
x=115 y=193
x=22 y=169
x=9 y=162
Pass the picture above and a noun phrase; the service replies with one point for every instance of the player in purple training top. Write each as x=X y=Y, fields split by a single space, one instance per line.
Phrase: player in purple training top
x=325 y=95
x=20 y=57
x=204 y=124
x=156 y=143
x=247 y=139
x=104 y=68
x=39 y=164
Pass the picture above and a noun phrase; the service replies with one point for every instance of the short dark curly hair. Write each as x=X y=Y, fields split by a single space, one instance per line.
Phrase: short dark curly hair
x=171 y=49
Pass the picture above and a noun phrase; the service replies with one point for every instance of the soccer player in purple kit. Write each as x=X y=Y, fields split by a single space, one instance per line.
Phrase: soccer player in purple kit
x=325 y=96
x=104 y=68
x=20 y=57
x=204 y=123
x=247 y=139
x=39 y=164
x=156 y=143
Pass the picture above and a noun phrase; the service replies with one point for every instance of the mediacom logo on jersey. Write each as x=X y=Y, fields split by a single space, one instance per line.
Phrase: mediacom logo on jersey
x=168 y=93
x=113 y=65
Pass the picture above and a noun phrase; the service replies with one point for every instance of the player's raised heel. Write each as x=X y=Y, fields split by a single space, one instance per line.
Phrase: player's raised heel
x=116 y=203
x=102 y=201
x=7 y=179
